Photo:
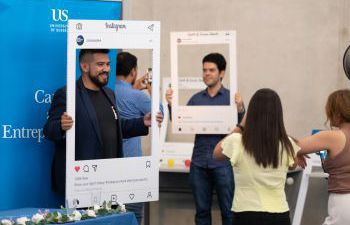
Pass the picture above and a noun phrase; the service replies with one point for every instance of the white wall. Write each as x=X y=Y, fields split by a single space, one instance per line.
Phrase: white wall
x=294 y=47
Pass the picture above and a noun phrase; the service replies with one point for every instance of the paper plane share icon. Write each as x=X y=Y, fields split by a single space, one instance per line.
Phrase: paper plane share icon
x=151 y=27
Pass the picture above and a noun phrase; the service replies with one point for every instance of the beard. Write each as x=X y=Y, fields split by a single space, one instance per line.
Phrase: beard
x=97 y=81
x=212 y=83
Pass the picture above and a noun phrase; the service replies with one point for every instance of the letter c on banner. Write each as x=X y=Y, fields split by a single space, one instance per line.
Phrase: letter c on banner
x=37 y=96
x=41 y=97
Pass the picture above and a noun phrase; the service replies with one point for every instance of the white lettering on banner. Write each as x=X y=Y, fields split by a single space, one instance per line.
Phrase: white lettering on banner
x=59 y=14
x=59 y=19
x=42 y=97
x=22 y=133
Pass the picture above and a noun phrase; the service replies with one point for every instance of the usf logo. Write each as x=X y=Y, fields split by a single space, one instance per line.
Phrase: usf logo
x=59 y=14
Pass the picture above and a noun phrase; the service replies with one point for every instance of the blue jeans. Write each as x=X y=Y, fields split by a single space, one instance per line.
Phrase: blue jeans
x=136 y=208
x=203 y=181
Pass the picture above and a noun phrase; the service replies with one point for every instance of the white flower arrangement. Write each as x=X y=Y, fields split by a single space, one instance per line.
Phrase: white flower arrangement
x=6 y=222
x=121 y=207
x=96 y=208
x=41 y=218
x=90 y=213
x=75 y=216
x=22 y=220
x=58 y=216
x=37 y=218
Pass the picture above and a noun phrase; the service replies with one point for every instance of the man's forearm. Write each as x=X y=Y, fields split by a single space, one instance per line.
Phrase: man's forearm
x=241 y=115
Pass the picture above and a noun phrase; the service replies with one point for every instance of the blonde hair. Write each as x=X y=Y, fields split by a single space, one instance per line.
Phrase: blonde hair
x=338 y=107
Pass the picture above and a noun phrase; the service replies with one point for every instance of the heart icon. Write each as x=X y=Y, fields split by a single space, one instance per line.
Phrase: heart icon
x=131 y=196
x=187 y=163
x=77 y=168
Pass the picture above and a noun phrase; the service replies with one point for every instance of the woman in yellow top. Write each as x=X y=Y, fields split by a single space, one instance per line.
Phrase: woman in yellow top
x=260 y=152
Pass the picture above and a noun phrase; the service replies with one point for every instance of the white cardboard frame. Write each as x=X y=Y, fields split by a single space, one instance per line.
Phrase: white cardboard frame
x=203 y=119
x=178 y=152
x=133 y=179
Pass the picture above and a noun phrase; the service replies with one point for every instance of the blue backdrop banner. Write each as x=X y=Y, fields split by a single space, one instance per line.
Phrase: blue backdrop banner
x=33 y=45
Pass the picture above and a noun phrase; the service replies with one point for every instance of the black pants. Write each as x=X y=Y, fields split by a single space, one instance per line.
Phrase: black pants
x=261 y=218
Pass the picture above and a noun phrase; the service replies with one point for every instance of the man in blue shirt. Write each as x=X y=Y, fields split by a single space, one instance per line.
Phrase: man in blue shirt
x=132 y=103
x=206 y=173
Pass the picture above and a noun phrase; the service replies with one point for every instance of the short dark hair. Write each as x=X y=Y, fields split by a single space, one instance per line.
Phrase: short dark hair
x=125 y=63
x=264 y=129
x=216 y=58
x=84 y=52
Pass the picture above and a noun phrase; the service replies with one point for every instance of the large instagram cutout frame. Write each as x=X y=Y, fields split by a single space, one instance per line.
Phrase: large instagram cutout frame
x=203 y=119
x=119 y=180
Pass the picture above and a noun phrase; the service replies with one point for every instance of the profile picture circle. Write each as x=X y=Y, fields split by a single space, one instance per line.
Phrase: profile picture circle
x=80 y=40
